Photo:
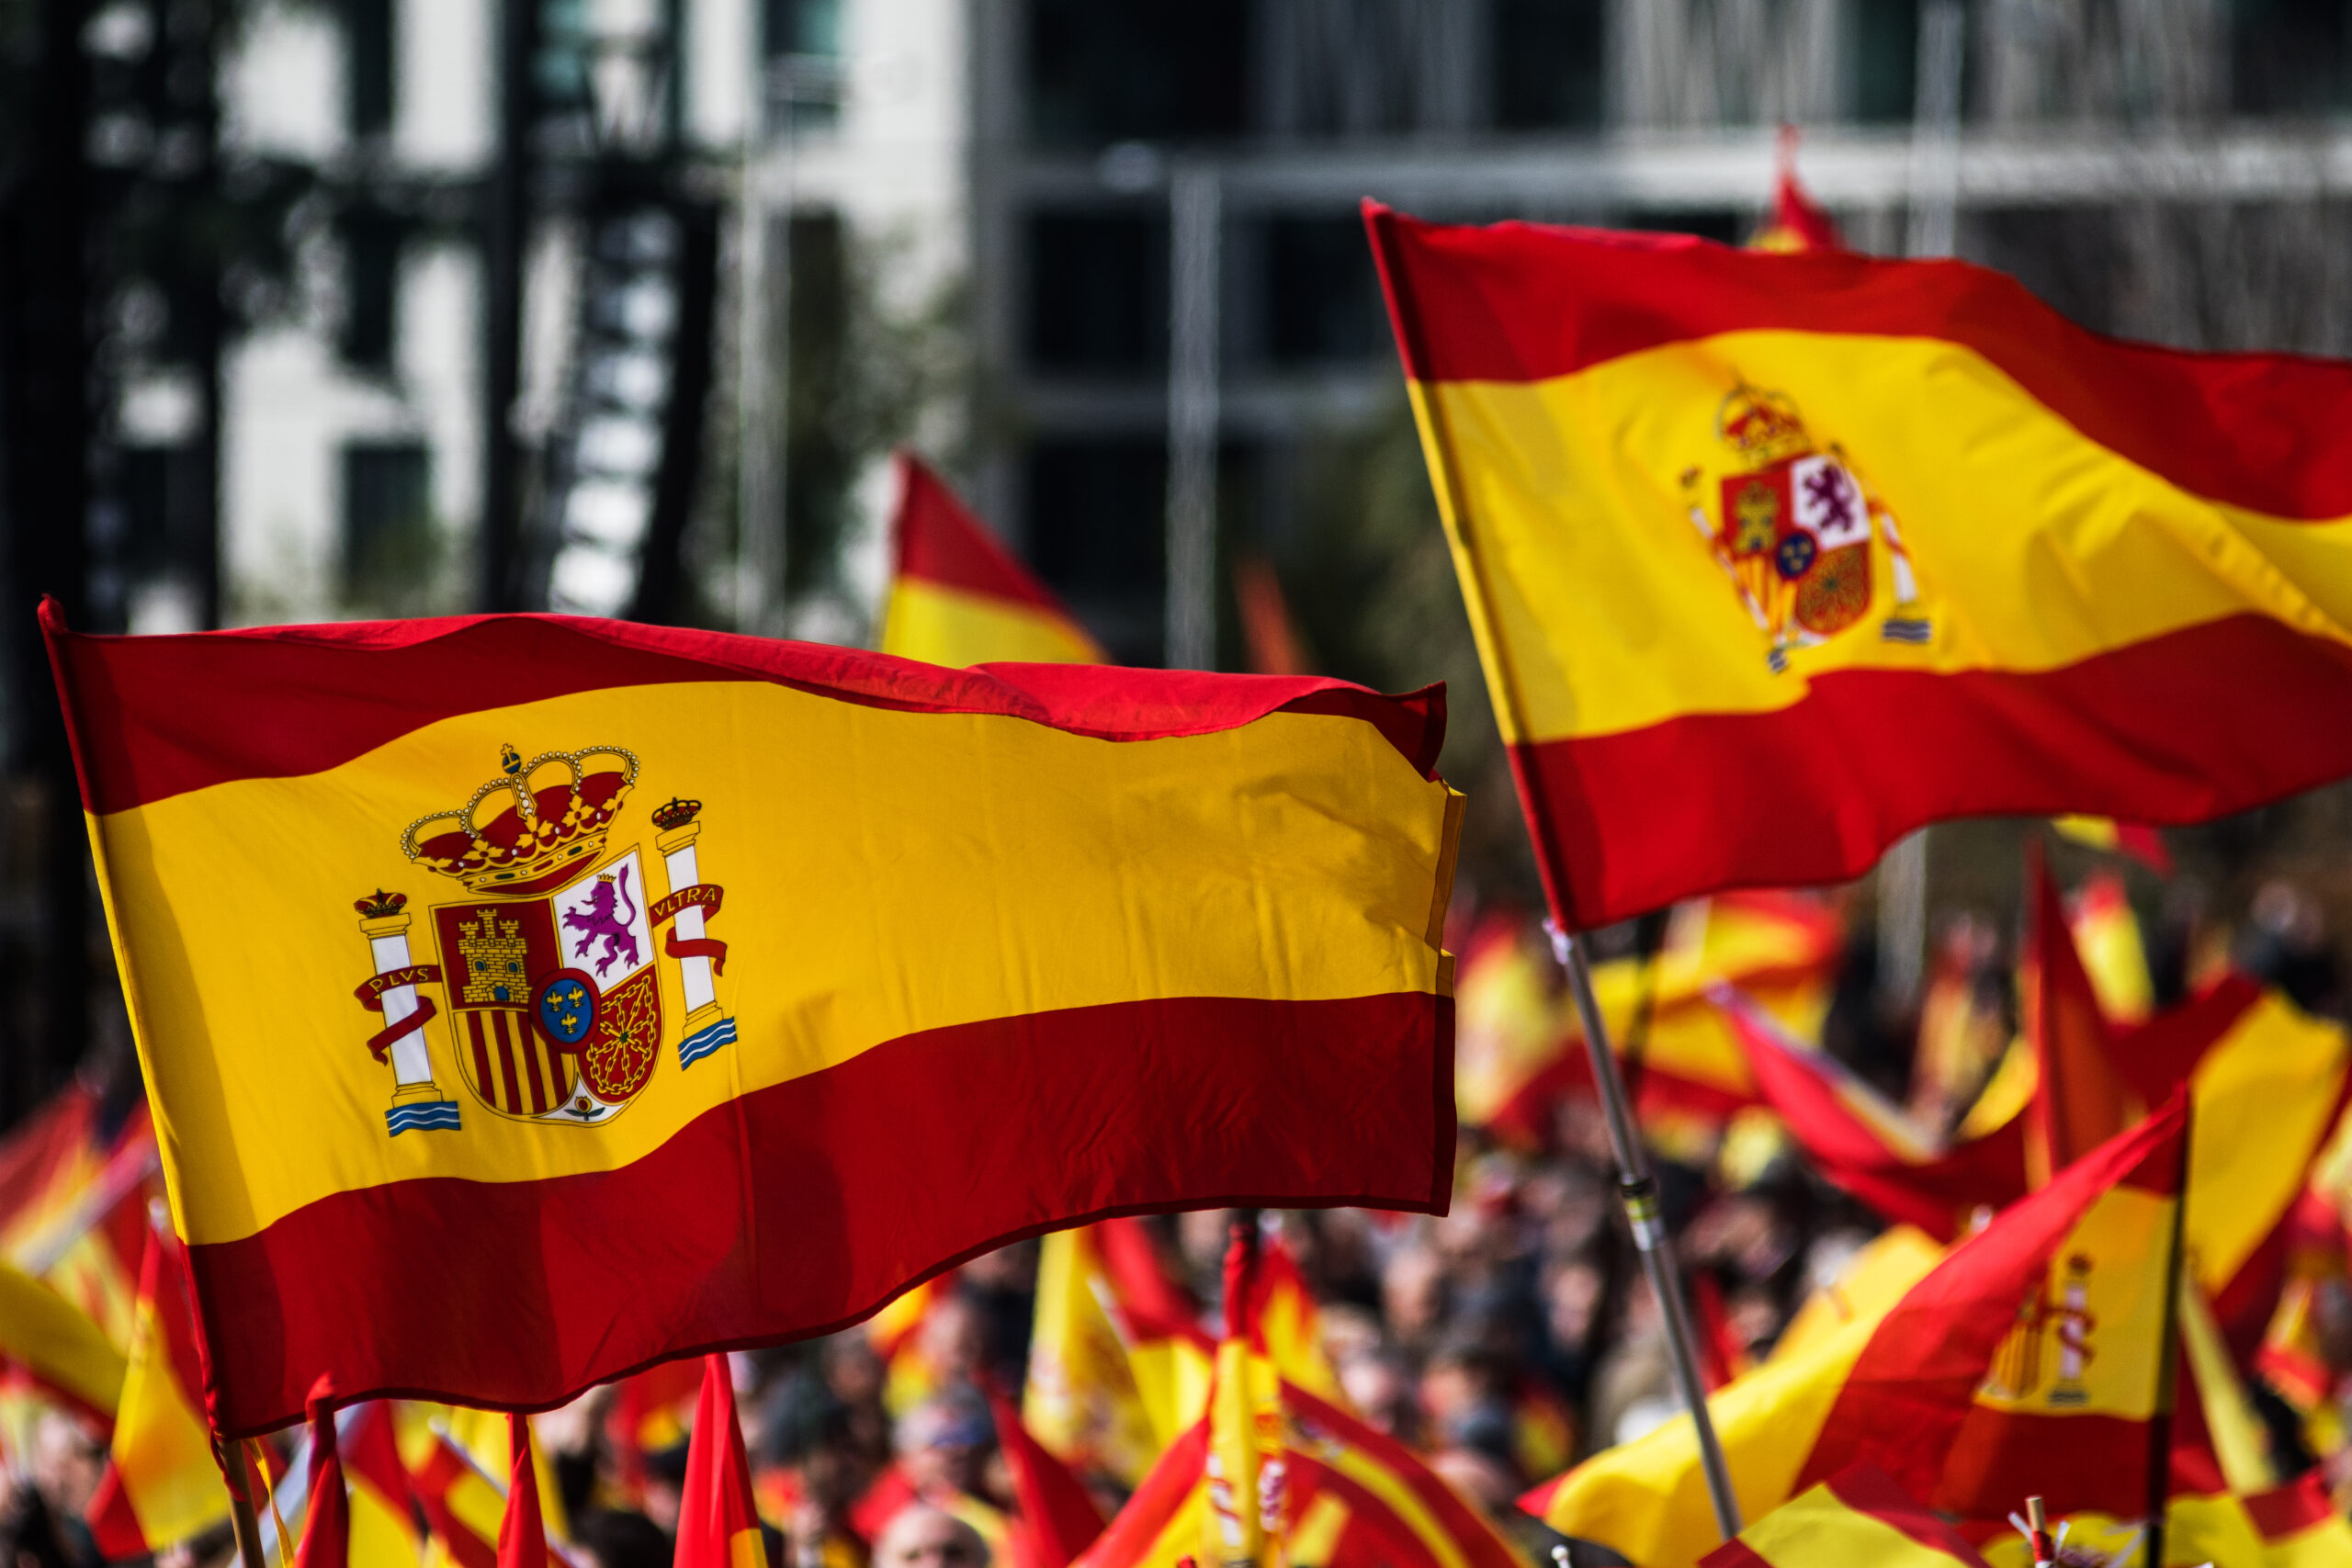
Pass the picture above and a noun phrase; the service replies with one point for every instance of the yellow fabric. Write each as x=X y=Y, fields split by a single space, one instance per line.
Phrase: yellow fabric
x=2234 y=1426
x=943 y=626
x=1082 y=1400
x=1610 y=610
x=841 y=835
x=2263 y=1103
x=1873 y=1282
x=2107 y=1285
x=1647 y=1499
x=57 y=1342
x=2215 y=1530
x=383 y=1532
x=1172 y=1377
x=1512 y=1019
x=1245 y=1435
x=2327 y=1544
x=1813 y=1529
x=2107 y=934
x=163 y=1448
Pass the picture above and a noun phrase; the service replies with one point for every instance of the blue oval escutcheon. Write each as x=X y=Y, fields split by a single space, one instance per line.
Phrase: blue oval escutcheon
x=564 y=1006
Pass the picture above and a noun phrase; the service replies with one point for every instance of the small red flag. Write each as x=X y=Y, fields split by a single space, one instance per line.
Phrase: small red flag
x=1058 y=1518
x=522 y=1534
x=718 y=1526
x=326 y=1533
x=2081 y=1101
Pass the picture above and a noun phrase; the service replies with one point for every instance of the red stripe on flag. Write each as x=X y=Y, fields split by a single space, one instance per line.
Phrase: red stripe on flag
x=484 y=1083
x=2165 y=731
x=881 y=1146
x=147 y=720
x=1526 y=302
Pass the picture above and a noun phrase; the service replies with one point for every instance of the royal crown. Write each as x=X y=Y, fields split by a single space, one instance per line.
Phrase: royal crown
x=550 y=813
x=380 y=904
x=674 y=813
x=1762 y=427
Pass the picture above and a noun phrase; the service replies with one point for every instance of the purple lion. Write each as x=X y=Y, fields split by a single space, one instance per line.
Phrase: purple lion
x=607 y=919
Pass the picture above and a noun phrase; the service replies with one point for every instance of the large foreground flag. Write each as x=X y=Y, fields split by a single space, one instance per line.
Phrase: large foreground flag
x=524 y=1000
x=1772 y=558
x=958 y=597
x=2033 y=1359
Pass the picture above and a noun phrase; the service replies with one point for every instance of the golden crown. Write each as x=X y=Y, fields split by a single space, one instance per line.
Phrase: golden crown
x=550 y=812
x=1762 y=427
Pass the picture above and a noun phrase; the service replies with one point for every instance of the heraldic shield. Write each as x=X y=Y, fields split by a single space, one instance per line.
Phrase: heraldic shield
x=552 y=966
x=555 y=1003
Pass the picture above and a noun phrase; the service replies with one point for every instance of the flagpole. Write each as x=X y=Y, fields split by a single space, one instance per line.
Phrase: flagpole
x=1638 y=1189
x=244 y=1523
x=1635 y=1186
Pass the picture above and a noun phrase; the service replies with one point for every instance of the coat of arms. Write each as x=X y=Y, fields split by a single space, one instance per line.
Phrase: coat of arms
x=547 y=965
x=1792 y=529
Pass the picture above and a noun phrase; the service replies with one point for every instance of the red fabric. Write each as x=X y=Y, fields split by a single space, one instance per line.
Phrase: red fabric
x=2157 y=1057
x=2079 y=1101
x=1867 y=1489
x=937 y=539
x=1908 y=1406
x=147 y=720
x=880 y=1502
x=1152 y=1302
x=1721 y=1358
x=1937 y=1195
x=862 y=1183
x=716 y=1504
x=113 y=1526
x=2179 y=728
x=326 y=1533
x=1802 y=219
x=1527 y=301
x=2291 y=1508
x=372 y=1455
x=522 y=1533
x=1059 y=1519
x=430 y=1484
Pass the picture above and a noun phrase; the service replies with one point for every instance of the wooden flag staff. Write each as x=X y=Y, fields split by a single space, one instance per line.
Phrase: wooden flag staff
x=1638 y=1189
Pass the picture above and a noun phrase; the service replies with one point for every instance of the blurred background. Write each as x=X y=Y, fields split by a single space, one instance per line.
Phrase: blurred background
x=323 y=309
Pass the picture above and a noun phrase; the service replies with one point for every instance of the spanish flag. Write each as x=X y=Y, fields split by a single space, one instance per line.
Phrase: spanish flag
x=958 y=597
x=162 y=1482
x=75 y=1178
x=51 y=1345
x=718 y=1525
x=2035 y=1357
x=1273 y=1475
x=1119 y=1365
x=1522 y=1044
x=1857 y=1519
x=1773 y=558
x=525 y=1000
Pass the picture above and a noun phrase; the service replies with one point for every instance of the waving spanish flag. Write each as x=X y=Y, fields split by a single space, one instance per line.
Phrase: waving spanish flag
x=1272 y=1476
x=162 y=1484
x=524 y=1000
x=1772 y=558
x=958 y=597
x=2034 y=1358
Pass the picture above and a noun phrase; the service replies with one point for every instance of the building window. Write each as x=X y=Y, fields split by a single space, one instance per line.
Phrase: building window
x=161 y=512
x=1547 y=64
x=1886 y=60
x=368 y=66
x=390 y=546
x=1098 y=291
x=2289 y=56
x=1097 y=531
x=1322 y=294
x=372 y=267
x=1136 y=70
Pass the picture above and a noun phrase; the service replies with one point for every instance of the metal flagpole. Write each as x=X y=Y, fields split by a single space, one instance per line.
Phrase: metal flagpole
x=1638 y=1190
x=1195 y=220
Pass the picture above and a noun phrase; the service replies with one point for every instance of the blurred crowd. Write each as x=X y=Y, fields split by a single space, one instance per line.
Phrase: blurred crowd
x=1502 y=1341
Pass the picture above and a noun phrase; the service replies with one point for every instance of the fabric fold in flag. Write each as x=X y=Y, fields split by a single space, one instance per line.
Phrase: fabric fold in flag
x=958 y=597
x=753 y=981
x=1773 y=558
